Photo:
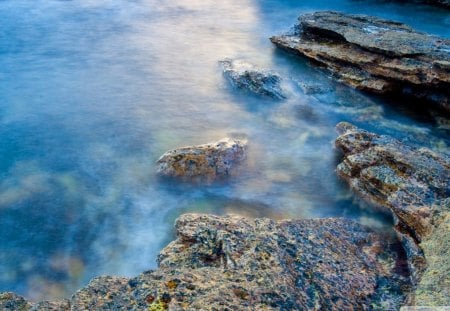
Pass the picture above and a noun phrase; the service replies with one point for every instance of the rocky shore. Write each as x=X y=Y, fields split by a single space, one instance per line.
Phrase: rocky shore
x=235 y=263
x=414 y=183
x=375 y=55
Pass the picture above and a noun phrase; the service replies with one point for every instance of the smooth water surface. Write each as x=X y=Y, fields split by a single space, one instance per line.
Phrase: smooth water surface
x=92 y=92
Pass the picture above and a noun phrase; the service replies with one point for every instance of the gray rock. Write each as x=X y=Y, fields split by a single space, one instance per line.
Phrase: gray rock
x=203 y=163
x=235 y=263
x=258 y=81
x=414 y=183
x=375 y=55
x=13 y=302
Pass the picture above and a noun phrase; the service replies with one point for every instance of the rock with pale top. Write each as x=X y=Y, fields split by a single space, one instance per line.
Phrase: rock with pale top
x=203 y=163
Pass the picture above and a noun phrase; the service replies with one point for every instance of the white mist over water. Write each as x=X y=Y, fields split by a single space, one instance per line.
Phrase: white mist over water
x=93 y=92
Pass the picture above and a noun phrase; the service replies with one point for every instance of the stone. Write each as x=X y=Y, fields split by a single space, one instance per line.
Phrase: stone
x=414 y=183
x=375 y=55
x=246 y=76
x=203 y=163
x=13 y=302
x=235 y=263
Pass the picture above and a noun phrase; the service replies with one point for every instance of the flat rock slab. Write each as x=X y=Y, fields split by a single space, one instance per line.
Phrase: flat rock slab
x=249 y=77
x=414 y=183
x=236 y=263
x=202 y=163
x=375 y=55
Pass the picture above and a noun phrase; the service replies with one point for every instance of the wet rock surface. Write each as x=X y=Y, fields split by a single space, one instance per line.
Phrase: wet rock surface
x=203 y=163
x=375 y=55
x=235 y=263
x=414 y=183
x=246 y=76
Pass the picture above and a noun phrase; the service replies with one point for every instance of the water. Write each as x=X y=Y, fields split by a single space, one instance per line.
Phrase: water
x=93 y=92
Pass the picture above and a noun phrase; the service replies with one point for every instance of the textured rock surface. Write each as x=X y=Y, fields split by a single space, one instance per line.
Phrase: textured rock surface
x=375 y=55
x=202 y=163
x=234 y=263
x=247 y=76
x=415 y=184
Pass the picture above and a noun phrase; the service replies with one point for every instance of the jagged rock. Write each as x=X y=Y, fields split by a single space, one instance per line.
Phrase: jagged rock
x=414 y=183
x=13 y=302
x=235 y=263
x=247 y=76
x=375 y=55
x=202 y=162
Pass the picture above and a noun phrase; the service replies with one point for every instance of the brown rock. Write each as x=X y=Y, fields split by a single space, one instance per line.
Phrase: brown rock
x=203 y=162
x=235 y=263
x=375 y=55
x=414 y=183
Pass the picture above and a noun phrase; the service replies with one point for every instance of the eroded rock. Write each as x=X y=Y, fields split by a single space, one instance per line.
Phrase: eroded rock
x=235 y=263
x=414 y=183
x=253 y=79
x=203 y=162
x=375 y=55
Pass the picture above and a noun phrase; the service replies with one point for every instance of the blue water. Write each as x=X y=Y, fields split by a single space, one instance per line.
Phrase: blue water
x=92 y=92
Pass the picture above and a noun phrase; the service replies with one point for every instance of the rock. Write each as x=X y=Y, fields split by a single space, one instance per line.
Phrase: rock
x=235 y=263
x=258 y=81
x=203 y=162
x=13 y=302
x=375 y=55
x=63 y=305
x=414 y=183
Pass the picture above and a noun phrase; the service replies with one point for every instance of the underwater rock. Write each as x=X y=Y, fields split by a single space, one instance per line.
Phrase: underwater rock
x=414 y=183
x=202 y=162
x=236 y=263
x=258 y=81
x=375 y=55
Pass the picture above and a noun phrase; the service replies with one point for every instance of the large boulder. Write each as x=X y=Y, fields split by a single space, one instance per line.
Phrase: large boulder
x=236 y=263
x=247 y=76
x=375 y=55
x=202 y=163
x=414 y=183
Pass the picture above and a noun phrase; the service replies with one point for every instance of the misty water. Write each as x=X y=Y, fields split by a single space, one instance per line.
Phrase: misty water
x=92 y=92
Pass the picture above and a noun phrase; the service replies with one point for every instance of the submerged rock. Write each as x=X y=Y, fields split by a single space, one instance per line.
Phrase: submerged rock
x=202 y=162
x=375 y=55
x=258 y=81
x=235 y=263
x=414 y=183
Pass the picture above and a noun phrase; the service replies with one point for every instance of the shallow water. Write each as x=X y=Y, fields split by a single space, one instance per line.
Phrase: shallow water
x=92 y=92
